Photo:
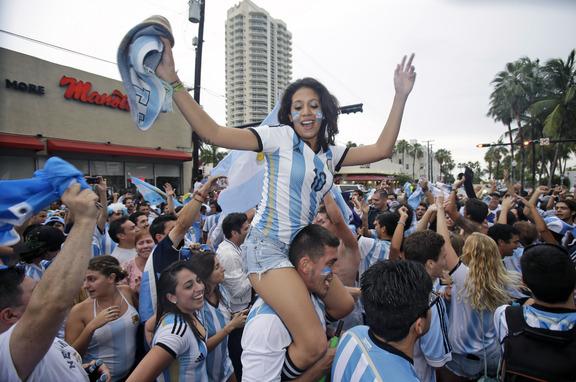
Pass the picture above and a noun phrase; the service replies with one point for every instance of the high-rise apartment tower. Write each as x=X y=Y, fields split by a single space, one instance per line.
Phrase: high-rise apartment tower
x=258 y=63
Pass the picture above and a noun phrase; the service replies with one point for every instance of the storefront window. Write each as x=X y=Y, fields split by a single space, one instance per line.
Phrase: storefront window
x=112 y=171
x=81 y=165
x=168 y=173
x=12 y=167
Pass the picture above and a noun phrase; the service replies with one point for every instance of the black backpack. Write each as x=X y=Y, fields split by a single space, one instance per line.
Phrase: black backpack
x=533 y=354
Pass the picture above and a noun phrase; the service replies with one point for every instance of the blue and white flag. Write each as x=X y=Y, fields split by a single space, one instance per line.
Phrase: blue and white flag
x=245 y=172
x=151 y=194
x=416 y=197
x=22 y=198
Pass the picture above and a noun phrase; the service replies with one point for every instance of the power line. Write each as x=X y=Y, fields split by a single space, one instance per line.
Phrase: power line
x=56 y=46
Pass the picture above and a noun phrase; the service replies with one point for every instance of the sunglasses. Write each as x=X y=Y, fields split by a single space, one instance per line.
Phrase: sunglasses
x=433 y=299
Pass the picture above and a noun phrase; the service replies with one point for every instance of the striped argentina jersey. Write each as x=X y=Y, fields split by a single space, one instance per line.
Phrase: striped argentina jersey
x=214 y=319
x=361 y=357
x=176 y=337
x=433 y=349
x=372 y=251
x=295 y=181
x=464 y=328
x=536 y=317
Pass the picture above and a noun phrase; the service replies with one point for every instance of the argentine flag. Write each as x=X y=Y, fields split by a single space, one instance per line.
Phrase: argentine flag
x=22 y=198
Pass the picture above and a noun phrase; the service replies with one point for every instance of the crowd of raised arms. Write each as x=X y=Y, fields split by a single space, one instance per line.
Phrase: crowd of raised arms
x=414 y=282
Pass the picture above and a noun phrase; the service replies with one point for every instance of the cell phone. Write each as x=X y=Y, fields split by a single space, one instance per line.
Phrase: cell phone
x=92 y=179
x=219 y=184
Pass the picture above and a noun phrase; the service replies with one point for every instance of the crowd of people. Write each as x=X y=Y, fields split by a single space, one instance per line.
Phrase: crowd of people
x=411 y=283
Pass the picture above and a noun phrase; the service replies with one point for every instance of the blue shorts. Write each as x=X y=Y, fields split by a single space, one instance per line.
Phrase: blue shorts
x=463 y=366
x=262 y=253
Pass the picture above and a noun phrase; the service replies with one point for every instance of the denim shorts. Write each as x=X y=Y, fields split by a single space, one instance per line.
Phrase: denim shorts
x=262 y=253
x=464 y=366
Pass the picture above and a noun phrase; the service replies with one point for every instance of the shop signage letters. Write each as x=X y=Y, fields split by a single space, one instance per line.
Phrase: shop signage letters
x=24 y=87
x=82 y=91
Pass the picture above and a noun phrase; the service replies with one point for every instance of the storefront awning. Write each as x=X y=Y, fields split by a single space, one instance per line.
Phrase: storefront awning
x=27 y=142
x=362 y=177
x=119 y=150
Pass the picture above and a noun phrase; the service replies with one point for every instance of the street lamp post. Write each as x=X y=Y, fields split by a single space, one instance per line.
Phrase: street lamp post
x=196 y=15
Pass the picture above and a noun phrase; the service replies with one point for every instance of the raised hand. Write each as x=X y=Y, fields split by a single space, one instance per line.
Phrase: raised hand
x=404 y=76
x=105 y=316
x=166 y=70
x=81 y=203
x=169 y=189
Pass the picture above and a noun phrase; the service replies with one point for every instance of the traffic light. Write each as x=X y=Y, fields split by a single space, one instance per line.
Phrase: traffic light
x=351 y=108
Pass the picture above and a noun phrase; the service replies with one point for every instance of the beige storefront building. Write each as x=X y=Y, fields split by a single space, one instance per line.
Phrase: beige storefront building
x=53 y=110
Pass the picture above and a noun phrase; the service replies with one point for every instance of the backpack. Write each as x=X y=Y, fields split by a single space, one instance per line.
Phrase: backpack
x=534 y=354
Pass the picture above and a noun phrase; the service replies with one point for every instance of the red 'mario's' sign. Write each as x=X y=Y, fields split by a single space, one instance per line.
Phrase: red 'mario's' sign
x=82 y=91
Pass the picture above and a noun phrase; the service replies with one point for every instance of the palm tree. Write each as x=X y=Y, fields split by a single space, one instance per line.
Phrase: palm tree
x=210 y=154
x=558 y=106
x=515 y=89
x=444 y=158
x=403 y=147
x=417 y=152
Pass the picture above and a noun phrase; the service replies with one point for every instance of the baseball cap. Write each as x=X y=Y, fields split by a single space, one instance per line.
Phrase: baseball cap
x=39 y=241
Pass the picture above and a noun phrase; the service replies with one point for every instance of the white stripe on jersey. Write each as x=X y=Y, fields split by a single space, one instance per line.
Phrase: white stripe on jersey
x=372 y=251
x=295 y=181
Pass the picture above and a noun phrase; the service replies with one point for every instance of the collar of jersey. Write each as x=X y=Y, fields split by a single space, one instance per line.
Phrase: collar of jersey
x=387 y=347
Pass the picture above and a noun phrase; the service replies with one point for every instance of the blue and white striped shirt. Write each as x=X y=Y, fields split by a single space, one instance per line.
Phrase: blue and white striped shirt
x=176 y=337
x=372 y=251
x=295 y=181
x=361 y=357
x=218 y=363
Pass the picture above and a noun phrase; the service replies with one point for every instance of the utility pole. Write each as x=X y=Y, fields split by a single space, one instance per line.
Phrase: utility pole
x=429 y=163
x=196 y=15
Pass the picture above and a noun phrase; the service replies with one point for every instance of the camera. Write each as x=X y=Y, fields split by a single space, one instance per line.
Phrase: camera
x=92 y=179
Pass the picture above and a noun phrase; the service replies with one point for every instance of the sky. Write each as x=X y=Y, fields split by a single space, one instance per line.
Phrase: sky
x=350 y=46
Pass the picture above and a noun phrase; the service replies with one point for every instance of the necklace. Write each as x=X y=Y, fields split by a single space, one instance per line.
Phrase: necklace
x=113 y=300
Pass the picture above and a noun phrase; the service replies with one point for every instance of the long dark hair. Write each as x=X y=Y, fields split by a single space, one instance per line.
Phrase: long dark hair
x=328 y=103
x=167 y=284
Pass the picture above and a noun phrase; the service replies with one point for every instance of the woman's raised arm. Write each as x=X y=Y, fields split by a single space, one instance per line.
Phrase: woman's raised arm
x=404 y=78
x=201 y=123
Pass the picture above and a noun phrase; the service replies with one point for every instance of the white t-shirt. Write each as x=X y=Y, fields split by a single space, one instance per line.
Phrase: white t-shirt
x=295 y=181
x=123 y=255
x=61 y=363
x=265 y=340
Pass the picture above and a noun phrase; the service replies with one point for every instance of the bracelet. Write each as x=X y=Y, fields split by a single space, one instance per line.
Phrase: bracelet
x=402 y=223
x=177 y=86
x=198 y=200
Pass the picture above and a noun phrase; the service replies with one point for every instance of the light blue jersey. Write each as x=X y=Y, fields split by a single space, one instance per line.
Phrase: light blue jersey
x=372 y=251
x=218 y=363
x=295 y=181
x=35 y=272
x=176 y=337
x=512 y=263
x=536 y=317
x=115 y=342
x=194 y=234
x=361 y=357
x=433 y=349
x=466 y=334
